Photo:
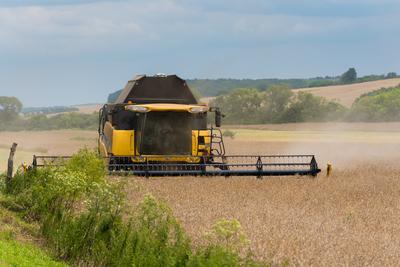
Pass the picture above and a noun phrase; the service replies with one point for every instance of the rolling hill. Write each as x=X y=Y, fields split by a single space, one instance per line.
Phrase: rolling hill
x=346 y=94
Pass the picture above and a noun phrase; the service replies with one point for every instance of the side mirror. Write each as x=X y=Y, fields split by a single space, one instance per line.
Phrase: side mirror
x=218 y=118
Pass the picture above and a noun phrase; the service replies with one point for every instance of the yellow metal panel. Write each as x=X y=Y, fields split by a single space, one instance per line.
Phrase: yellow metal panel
x=207 y=143
x=122 y=142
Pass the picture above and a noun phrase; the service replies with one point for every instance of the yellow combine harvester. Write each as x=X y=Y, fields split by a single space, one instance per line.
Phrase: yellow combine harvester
x=157 y=127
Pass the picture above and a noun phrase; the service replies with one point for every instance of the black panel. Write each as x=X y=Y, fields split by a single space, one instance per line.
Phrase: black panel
x=167 y=133
x=123 y=119
x=169 y=89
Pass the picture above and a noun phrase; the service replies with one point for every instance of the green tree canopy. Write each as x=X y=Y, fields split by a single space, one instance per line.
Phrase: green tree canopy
x=242 y=106
x=10 y=107
x=277 y=100
x=349 y=76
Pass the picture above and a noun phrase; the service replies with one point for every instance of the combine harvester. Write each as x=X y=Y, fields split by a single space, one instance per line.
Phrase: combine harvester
x=156 y=127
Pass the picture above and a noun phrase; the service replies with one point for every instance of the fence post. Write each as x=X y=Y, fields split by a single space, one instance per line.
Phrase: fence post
x=10 y=166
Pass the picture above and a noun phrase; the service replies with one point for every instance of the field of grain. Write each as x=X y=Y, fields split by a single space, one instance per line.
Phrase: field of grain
x=346 y=94
x=350 y=218
x=88 y=108
x=63 y=142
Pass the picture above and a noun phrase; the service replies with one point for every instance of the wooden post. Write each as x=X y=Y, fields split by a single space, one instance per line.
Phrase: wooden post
x=10 y=166
x=328 y=169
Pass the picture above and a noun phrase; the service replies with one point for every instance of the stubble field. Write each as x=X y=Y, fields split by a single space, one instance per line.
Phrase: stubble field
x=349 y=218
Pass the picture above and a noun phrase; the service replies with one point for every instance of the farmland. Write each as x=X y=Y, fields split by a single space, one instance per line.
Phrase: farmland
x=346 y=94
x=349 y=218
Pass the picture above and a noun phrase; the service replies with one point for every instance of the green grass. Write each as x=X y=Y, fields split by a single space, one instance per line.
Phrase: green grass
x=18 y=241
x=14 y=253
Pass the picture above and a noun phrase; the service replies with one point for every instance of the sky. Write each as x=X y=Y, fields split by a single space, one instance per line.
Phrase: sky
x=59 y=52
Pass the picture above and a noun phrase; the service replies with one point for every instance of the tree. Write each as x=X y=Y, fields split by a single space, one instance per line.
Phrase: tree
x=391 y=75
x=277 y=99
x=242 y=106
x=349 y=76
x=10 y=107
x=306 y=107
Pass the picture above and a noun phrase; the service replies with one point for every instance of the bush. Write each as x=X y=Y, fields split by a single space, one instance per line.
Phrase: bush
x=229 y=133
x=380 y=105
x=71 y=120
x=306 y=107
x=83 y=218
x=227 y=246
x=277 y=105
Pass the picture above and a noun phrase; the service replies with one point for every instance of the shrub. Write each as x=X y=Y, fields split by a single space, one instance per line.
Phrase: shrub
x=82 y=217
x=379 y=105
x=229 y=133
x=227 y=246
x=277 y=105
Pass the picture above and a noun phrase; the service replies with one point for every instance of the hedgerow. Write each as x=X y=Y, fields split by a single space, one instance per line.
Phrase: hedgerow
x=83 y=217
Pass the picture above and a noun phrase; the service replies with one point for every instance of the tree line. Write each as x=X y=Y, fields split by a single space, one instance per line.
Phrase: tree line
x=217 y=87
x=276 y=105
x=280 y=105
x=11 y=118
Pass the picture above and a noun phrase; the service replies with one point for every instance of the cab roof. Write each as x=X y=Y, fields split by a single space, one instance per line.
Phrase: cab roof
x=157 y=89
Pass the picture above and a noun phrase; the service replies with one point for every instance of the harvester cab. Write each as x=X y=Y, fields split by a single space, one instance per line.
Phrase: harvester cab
x=157 y=127
x=157 y=119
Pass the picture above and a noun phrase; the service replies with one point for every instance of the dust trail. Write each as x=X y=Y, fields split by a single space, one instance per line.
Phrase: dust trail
x=342 y=144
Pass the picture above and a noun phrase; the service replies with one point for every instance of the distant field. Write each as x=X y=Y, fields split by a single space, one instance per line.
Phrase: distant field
x=64 y=142
x=88 y=109
x=346 y=94
x=21 y=157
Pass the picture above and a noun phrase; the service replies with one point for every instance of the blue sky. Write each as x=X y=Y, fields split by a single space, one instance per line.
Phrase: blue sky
x=69 y=52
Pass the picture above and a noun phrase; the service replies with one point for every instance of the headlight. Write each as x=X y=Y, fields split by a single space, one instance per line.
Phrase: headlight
x=198 y=109
x=136 y=108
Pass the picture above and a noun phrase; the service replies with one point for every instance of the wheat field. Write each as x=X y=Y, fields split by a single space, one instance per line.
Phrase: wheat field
x=347 y=219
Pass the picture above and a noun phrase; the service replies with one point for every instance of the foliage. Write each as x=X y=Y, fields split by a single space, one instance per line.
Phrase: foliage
x=228 y=234
x=71 y=120
x=305 y=107
x=227 y=246
x=217 y=87
x=276 y=102
x=48 y=110
x=349 y=76
x=277 y=105
x=242 y=106
x=10 y=107
x=229 y=133
x=14 y=253
x=82 y=216
x=380 y=105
